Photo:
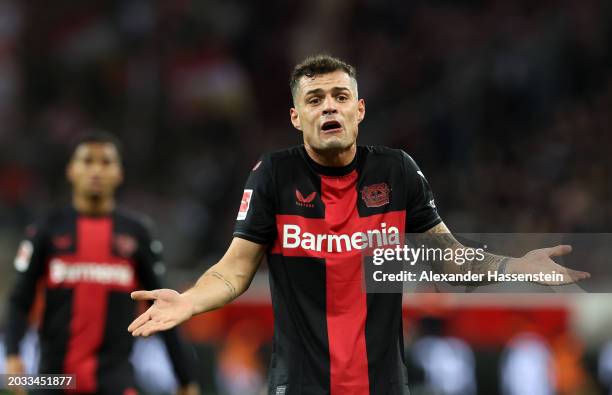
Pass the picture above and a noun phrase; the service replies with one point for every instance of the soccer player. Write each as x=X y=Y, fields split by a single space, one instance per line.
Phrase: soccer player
x=89 y=257
x=299 y=207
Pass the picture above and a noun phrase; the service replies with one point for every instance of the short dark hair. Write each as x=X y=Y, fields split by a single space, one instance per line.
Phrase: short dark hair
x=97 y=136
x=317 y=65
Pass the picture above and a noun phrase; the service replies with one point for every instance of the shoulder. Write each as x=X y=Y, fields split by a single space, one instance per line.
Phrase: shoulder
x=136 y=220
x=281 y=156
x=383 y=153
x=53 y=218
x=269 y=163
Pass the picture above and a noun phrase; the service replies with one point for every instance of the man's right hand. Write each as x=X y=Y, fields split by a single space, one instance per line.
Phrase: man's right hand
x=221 y=284
x=169 y=309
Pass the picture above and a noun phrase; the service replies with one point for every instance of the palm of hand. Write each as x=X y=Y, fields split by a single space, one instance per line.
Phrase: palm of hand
x=168 y=310
x=540 y=260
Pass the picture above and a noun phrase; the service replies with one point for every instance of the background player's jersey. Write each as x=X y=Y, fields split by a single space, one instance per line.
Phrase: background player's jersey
x=330 y=337
x=88 y=267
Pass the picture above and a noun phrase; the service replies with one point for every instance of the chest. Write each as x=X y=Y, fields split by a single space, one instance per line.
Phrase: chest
x=319 y=215
x=91 y=251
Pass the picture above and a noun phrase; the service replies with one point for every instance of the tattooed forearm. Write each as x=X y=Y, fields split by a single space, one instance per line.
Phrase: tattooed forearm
x=439 y=237
x=489 y=263
x=228 y=284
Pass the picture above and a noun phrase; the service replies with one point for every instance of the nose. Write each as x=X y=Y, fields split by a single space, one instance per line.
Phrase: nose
x=329 y=106
x=96 y=168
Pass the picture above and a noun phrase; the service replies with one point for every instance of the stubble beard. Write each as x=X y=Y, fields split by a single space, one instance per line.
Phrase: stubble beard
x=334 y=144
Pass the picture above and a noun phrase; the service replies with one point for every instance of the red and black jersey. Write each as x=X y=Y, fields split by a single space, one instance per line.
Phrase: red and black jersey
x=330 y=336
x=88 y=266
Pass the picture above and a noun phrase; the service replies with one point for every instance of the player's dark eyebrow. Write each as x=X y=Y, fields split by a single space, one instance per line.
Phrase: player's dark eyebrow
x=335 y=89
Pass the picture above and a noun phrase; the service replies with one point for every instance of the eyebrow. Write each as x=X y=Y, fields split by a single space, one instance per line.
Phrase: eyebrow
x=334 y=89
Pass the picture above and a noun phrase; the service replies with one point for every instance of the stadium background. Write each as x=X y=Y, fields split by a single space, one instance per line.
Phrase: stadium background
x=504 y=104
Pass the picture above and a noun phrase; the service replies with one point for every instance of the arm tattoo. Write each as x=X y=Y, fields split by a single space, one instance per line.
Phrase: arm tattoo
x=439 y=237
x=229 y=285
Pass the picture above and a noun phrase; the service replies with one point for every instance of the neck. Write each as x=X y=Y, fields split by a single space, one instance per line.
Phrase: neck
x=332 y=158
x=93 y=205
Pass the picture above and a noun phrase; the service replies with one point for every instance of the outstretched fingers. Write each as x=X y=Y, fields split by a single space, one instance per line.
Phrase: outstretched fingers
x=570 y=275
x=138 y=322
x=577 y=275
x=152 y=327
x=560 y=250
x=144 y=295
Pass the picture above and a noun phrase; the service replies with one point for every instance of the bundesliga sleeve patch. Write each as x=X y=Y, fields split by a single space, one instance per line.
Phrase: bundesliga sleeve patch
x=244 y=204
x=24 y=255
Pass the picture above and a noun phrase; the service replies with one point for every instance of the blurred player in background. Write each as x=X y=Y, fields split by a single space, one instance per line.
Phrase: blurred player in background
x=89 y=256
x=309 y=208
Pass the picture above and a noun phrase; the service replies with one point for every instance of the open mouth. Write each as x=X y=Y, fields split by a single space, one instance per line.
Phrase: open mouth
x=331 y=126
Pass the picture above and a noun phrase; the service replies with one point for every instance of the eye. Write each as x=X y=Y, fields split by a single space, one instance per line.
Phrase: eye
x=342 y=98
x=314 y=100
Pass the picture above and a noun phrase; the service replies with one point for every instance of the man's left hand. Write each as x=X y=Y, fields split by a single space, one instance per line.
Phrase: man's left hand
x=540 y=260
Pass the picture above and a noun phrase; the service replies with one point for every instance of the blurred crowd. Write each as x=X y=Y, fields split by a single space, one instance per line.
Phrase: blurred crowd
x=504 y=104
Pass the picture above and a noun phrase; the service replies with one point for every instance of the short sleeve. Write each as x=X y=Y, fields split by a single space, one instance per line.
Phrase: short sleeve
x=256 y=219
x=421 y=212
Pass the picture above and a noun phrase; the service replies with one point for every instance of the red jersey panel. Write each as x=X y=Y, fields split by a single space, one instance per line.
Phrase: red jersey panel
x=330 y=336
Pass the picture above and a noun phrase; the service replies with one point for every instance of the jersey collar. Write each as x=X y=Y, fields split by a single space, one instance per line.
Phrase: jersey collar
x=334 y=171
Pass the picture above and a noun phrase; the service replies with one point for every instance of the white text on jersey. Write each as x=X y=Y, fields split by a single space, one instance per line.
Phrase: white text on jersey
x=294 y=238
x=95 y=272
